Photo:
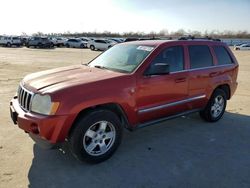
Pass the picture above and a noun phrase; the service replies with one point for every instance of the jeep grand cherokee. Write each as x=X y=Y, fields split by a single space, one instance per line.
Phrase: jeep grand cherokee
x=131 y=85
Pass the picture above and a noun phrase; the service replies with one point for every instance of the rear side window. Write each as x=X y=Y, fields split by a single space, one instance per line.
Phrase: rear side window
x=200 y=56
x=222 y=55
x=172 y=56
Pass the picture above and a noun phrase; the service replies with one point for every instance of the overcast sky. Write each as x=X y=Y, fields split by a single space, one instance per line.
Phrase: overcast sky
x=30 y=16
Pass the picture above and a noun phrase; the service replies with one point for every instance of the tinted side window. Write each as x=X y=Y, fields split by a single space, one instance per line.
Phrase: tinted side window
x=200 y=56
x=222 y=55
x=102 y=41
x=172 y=56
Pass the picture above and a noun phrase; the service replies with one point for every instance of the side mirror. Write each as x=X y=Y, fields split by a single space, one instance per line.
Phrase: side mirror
x=157 y=69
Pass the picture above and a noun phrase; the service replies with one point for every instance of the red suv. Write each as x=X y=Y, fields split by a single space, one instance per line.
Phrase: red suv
x=131 y=85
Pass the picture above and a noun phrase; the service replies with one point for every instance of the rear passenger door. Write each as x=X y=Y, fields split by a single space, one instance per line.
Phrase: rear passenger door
x=103 y=45
x=201 y=71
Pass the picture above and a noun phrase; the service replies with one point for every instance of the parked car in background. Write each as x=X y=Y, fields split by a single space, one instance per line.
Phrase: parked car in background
x=131 y=85
x=60 y=41
x=57 y=41
x=40 y=42
x=53 y=40
x=238 y=44
x=24 y=40
x=100 y=44
x=115 y=40
x=75 y=43
x=131 y=39
x=10 y=41
x=242 y=47
x=85 y=39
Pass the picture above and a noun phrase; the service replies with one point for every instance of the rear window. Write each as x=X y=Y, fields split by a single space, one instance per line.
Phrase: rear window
x=222 y=55
x=200 y=56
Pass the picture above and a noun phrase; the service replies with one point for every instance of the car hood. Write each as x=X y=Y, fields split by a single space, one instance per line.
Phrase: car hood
x=60 y=78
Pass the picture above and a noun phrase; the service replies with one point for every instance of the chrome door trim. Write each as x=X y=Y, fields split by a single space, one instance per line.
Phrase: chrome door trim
x=145 y=110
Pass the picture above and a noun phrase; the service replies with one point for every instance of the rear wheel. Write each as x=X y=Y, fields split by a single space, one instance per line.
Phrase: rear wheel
x=215 y=107
x=92 y=47
x=96 y=136
x=8 y=44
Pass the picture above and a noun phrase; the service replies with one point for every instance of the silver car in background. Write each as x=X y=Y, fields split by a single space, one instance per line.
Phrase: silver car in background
x=75 y=43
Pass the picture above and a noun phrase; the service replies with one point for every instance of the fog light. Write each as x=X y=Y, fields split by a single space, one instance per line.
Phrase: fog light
x=34 y=128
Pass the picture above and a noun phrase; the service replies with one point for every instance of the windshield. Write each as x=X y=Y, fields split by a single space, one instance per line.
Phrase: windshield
x=122 y=58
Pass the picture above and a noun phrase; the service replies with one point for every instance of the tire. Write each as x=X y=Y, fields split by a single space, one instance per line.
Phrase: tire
x=216 y=106
x=8 y=44
x=90 y=134
x=92 y=47
x=39 y=45
x=82 y=46
x=67 y=45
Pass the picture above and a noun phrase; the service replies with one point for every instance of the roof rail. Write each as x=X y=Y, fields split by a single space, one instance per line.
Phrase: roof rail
x=190 y=37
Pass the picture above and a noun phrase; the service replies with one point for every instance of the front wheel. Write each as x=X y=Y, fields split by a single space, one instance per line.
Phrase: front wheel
x=96 y=136
x=216 y=106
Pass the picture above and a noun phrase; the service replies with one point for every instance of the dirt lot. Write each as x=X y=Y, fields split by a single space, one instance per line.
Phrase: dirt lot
x=185 y=152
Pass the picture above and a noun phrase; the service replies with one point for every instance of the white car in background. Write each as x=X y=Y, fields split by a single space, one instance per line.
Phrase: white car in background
x=100 y=44
x=9 y=41
x=75 y=43
x=242 y=47
x=85 y=39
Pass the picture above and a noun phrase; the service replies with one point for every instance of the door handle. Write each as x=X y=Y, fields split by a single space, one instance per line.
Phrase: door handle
x=212 y=74
x=178 y=80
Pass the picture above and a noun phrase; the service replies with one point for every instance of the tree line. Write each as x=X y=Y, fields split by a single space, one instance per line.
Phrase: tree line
x=163 y=33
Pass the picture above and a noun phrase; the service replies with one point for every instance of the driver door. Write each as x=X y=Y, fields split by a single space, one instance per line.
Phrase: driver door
x=164 y=95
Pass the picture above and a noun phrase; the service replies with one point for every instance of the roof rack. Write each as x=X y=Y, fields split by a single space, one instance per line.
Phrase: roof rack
x=190 y=37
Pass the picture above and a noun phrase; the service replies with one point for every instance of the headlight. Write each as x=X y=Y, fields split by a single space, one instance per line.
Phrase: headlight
x=42 y=104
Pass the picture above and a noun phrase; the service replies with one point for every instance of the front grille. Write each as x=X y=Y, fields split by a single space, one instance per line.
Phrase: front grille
x=24 y=98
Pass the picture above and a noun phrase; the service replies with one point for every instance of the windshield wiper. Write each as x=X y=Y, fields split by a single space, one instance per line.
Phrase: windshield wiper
x=101 y=67
x=112 y=69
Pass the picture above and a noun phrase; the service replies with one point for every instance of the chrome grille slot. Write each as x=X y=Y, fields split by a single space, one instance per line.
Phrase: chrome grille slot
x=24 y=98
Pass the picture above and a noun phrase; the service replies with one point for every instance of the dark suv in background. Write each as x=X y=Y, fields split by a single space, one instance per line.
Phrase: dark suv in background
x=40 y=42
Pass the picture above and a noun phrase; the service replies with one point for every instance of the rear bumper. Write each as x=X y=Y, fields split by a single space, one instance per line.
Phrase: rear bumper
x=43 y=129
x=233 y=88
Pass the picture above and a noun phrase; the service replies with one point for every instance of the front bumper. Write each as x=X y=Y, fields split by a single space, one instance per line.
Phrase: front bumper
x=50 y=129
